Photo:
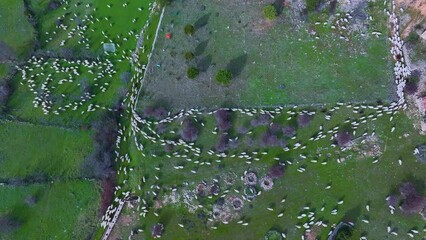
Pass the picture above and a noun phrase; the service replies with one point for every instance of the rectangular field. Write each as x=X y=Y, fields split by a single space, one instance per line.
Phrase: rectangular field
x=62 y=210
x=290 y=60
x=16 y=33
x=29 y=150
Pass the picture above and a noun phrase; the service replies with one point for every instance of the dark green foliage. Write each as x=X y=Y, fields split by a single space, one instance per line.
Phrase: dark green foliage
x=224 y=77
x=273 y=235
x=413 y=37
x=311 y=5
x=192 y=72
x=189 y=55
x=344 y=233
x=270 y=12
x=189 y=29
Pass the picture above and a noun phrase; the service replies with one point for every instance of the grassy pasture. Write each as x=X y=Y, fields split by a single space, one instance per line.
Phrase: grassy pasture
x=116 y=22
x=29 y=150
x=69 y=93
x=15 y=30
x=357 y=181
x=20 y=103
x=61 y=210
x=273 y=63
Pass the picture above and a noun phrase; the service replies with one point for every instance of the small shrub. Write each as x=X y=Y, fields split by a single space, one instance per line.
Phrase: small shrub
x=223 y=143
x=270 y=12
x=276 y=171
x=192 y=72
x=413 y=37
x=189 y=132
x=224 y=77
x=343 y=138
x=311 y=5
x=411 y=88
x=189 y=29
x=188 y=56
x=262 y=120
x=223 y=119
x=289 y=131
x=8 y=224
x=303 y=120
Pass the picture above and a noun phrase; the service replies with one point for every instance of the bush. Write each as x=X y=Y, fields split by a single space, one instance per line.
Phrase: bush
x=289 y=131
x=189 y=29
x=224 y=77
x=157 y=113
x=413 y=37
x=270 y=12
x=100 y=164
x=262 y=120
x=269 y=139
x=189 y=56
x=273 y=235
x=276 y=171
x=343 y=138
x=410 y=88
x=192 y=72
x=8 y=224
x=413 y=202
x=303 y=120
x=189 y=132
x=223 y=143
x=223 y=119
x=311 y=5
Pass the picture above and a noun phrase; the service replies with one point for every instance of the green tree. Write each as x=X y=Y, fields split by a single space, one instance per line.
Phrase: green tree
x=189 y=29
x=270 y=12
x=192 y=72
x=224 y=77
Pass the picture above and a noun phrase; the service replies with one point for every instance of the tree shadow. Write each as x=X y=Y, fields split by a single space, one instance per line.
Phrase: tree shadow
x=333 y=6
x=204 y=63
x=279 y=5
x=352 y=215
x=201 y=47
x=6 y=52
x=202 y=21
x=237 y=65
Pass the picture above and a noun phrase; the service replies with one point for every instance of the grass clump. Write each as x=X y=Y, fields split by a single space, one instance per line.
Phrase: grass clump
x=224 y=77
x=270 y=12
x=192 y=72
x=189 y=29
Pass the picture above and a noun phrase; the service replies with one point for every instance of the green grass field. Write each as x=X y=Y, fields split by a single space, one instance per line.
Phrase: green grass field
x=15 y=30
x=29 y=150
x=357 y=181
x=61 y=210
x=273 y=63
